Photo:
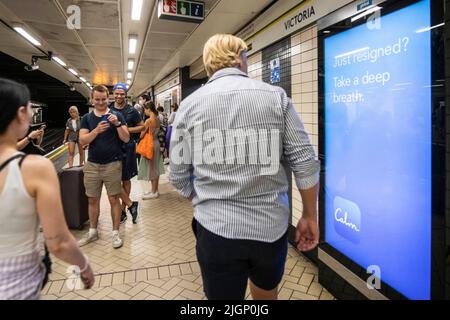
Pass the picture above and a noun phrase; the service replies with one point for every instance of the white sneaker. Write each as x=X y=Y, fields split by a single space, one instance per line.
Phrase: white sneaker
x=166 y=161
x=116 y=241
x=146 y=194
x=150 y=196
x=88 y=238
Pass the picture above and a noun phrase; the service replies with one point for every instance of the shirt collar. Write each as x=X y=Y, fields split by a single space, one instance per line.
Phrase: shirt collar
x=227 y=72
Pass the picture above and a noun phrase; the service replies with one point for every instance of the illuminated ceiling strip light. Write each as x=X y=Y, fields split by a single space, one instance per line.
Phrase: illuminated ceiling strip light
x=59 y=61
x=130 y=64
x=376 y=8
x=83 y=79
x=73 y=71
x=129 y=75
x=430 y=28
x=132 y=44
x=136 y=10
x=27 y=36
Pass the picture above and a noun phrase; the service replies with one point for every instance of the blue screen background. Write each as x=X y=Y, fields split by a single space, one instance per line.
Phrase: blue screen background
x=378 y=152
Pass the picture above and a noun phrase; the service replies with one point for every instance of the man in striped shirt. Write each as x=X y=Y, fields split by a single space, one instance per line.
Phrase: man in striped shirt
x=229 y=140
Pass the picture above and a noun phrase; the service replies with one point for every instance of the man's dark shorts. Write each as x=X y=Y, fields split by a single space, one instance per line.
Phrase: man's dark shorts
x=129 y=163
x=226 y=264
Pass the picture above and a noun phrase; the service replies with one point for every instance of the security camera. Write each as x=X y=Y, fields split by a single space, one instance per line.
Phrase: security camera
x=34 y=59
x=71 y=85
x=33 y=66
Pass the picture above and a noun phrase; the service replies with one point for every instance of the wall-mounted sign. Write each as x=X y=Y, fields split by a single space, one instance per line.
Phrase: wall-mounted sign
x=364 y=4
x=263 y=33
x=187 y=11
x=275 y=70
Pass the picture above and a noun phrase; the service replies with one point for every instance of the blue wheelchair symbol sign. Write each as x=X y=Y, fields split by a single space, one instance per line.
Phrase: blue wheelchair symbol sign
x=275 y=70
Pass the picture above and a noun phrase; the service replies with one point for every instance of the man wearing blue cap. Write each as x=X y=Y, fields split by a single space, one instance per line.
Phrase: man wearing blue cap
x=129 y=164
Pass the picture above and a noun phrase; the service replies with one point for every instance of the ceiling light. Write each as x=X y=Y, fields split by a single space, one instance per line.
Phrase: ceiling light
x=363 y=14
x=27 y=36
x=59 y=61
x=129 y=75
x=130 y=64
x=128 y=82
x=136 y=10
x=88 y=84
x=82 y=79
x=132 y=44
x=73 y=71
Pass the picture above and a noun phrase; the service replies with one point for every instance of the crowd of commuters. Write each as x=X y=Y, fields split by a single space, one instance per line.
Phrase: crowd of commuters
x=241 y=211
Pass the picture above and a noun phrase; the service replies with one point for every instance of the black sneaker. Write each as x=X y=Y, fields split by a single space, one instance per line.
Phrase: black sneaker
x=123 y=217
x=134 y=210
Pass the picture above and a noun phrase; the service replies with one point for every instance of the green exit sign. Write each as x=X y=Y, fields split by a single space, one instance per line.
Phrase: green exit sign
x=180 y=10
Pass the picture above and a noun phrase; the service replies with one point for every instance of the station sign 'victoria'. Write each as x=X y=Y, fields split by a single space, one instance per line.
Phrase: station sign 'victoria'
x=187 y=11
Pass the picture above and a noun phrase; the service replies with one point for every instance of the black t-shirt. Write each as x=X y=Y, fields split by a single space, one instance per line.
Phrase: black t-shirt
x=131 y=115
x=106 y=147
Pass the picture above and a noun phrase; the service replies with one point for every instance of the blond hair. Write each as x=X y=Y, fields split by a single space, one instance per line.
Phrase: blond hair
x=222 y=51
x=73 y=108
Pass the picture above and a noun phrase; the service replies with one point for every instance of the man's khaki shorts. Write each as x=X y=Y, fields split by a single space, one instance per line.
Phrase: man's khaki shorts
x=95 y=175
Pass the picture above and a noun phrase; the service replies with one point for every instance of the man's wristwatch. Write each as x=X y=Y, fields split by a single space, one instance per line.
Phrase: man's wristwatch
x=118 y=124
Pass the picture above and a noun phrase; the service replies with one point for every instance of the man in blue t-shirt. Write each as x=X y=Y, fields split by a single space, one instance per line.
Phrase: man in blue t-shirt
x=129 y=163
x=105 y=131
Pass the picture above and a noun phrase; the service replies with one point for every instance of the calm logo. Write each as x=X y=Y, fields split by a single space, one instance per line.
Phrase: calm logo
x=347 y=219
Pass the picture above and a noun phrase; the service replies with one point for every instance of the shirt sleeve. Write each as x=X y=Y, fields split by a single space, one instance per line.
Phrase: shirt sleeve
x=84 y=122
x=181 y=168
x=298 y=150
x=136 y=117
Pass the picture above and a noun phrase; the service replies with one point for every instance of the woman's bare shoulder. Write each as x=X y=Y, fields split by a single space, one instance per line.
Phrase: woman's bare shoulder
x=37 y=164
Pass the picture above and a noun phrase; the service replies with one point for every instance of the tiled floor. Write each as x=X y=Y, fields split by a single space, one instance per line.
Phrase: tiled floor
x=158 y=261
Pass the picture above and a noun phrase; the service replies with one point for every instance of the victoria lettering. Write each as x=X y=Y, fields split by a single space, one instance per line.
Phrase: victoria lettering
x=302 y=16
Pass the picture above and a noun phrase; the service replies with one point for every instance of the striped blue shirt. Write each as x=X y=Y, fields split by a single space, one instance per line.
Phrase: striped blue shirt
x=229 y=140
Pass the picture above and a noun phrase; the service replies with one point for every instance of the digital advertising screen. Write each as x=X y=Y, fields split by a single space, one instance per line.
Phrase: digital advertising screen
x=378 y=140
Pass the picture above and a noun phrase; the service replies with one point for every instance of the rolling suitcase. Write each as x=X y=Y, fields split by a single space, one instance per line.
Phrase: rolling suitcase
x=74 y=199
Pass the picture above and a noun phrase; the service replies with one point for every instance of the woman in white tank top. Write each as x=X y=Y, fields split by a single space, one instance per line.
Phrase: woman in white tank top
x=29 y=197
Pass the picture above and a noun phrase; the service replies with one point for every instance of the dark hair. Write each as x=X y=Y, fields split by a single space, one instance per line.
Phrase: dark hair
x=151 y=106
x=160 y=109
x=175 y=107
x=13 y=95
x=145 y=96
x=100 y=88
